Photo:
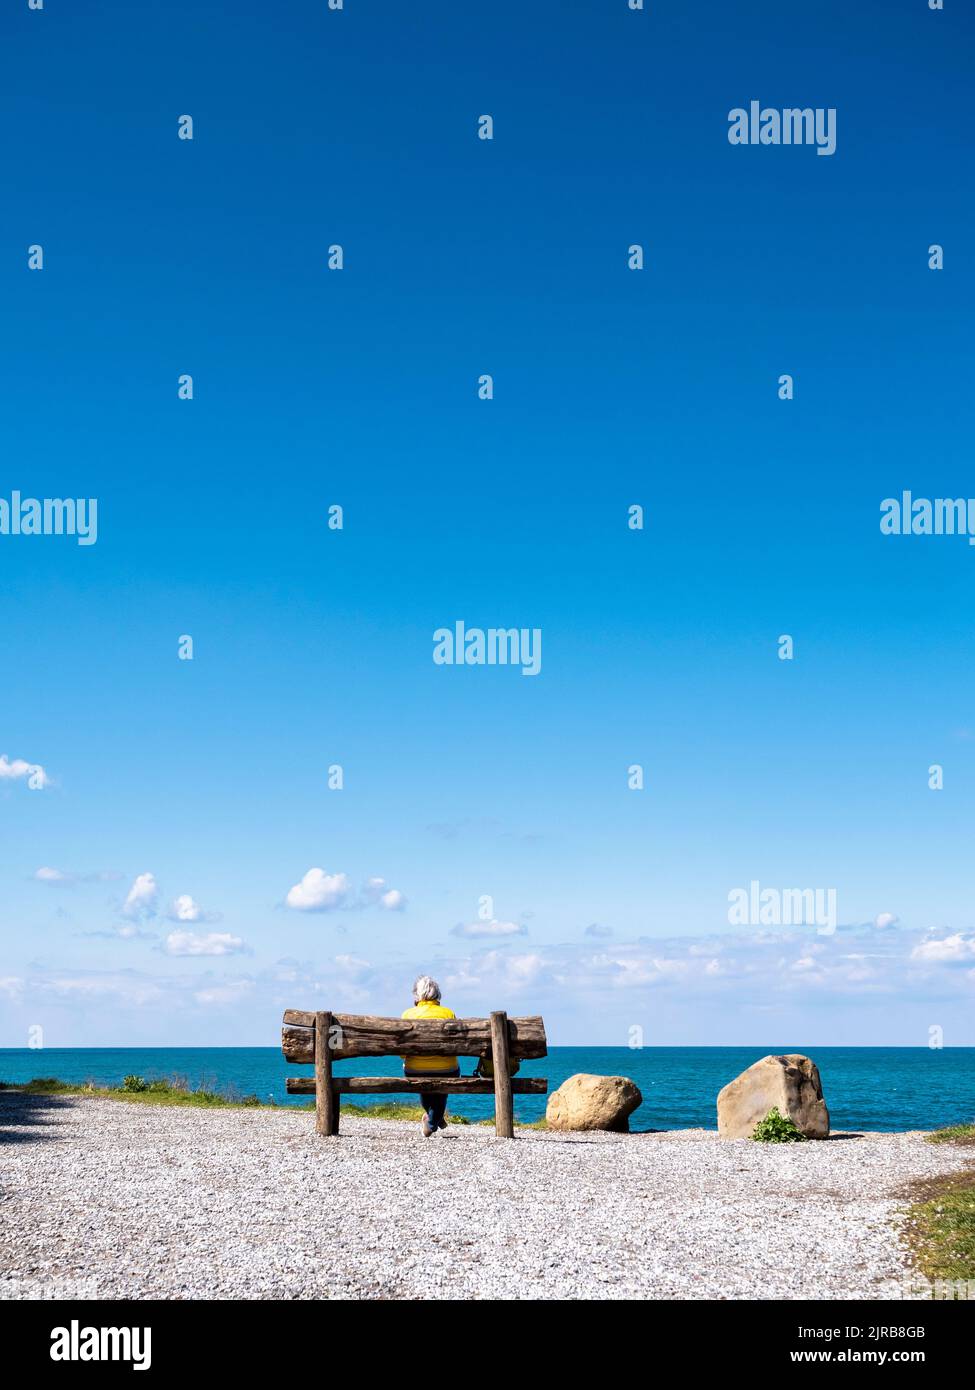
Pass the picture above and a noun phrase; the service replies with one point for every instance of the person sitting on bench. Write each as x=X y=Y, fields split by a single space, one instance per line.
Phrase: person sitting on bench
x=426 y=1004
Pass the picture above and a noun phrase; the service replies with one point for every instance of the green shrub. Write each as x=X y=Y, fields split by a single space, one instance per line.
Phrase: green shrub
x=47 y=1086
x=135 y=1083
x=777 y=1129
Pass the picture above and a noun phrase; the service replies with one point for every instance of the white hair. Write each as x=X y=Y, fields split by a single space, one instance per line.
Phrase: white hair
x=426 y=988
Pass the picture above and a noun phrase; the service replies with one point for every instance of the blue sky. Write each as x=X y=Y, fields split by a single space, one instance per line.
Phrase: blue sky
x=359 y=388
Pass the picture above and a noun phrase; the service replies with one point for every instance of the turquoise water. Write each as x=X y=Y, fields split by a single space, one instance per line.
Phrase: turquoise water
x=865 y=1087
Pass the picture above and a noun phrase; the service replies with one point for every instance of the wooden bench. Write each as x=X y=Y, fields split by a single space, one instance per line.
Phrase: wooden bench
x=322 y=1038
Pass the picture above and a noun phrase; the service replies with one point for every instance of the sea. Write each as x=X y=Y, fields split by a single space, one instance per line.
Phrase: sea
x=866 y=1088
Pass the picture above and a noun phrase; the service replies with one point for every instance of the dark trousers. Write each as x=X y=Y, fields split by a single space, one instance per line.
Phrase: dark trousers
x=434 y=1104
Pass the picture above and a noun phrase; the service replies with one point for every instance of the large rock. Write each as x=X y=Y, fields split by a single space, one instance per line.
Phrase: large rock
x=790 y=1083
x=593 y=1102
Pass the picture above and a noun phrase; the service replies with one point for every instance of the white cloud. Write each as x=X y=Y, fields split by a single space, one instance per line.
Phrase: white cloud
x=125 y=987
x=948 y=949
x=319 y=892
x=885 y=919
x=12 y=986
x=189 y=943
x=18 y=768
x=753 y=967
x=233 y=992
x=859 y=974
x=46 y=874
x=501 y=971
x=185 y=908
x=625 y=971
x=141 y=900
x=685 y=977
x=376 y=890
x=93 y=993
x=353 y=966
x=129 y=931
x=524 y=969
x=491 y=928
x=463 y=976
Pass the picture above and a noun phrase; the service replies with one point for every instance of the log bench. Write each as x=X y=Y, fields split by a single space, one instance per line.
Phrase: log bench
x=322 y=1038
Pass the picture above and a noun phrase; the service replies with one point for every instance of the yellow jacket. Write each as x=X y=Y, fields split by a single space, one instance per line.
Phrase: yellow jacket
x=428 y=1009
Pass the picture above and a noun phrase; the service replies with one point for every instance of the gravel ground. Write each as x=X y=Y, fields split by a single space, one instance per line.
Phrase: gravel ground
x=102 y=1199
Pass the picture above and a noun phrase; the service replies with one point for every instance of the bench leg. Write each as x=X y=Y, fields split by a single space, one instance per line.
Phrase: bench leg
x=504 y=1111
x=326 y=1097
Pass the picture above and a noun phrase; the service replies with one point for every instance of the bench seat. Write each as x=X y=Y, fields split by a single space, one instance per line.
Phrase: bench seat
x=322 y=1038
x=413 y=1085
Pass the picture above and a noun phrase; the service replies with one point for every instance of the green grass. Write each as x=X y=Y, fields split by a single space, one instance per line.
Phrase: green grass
x=941 y=1229
x=174 y=1091
x=177 y=1091
x=953 y=1134
x=41 y=1086
x=395 y=1110
x=941 y=1222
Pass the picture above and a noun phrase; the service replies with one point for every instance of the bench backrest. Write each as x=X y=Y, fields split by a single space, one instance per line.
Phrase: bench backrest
x=362 y=1035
